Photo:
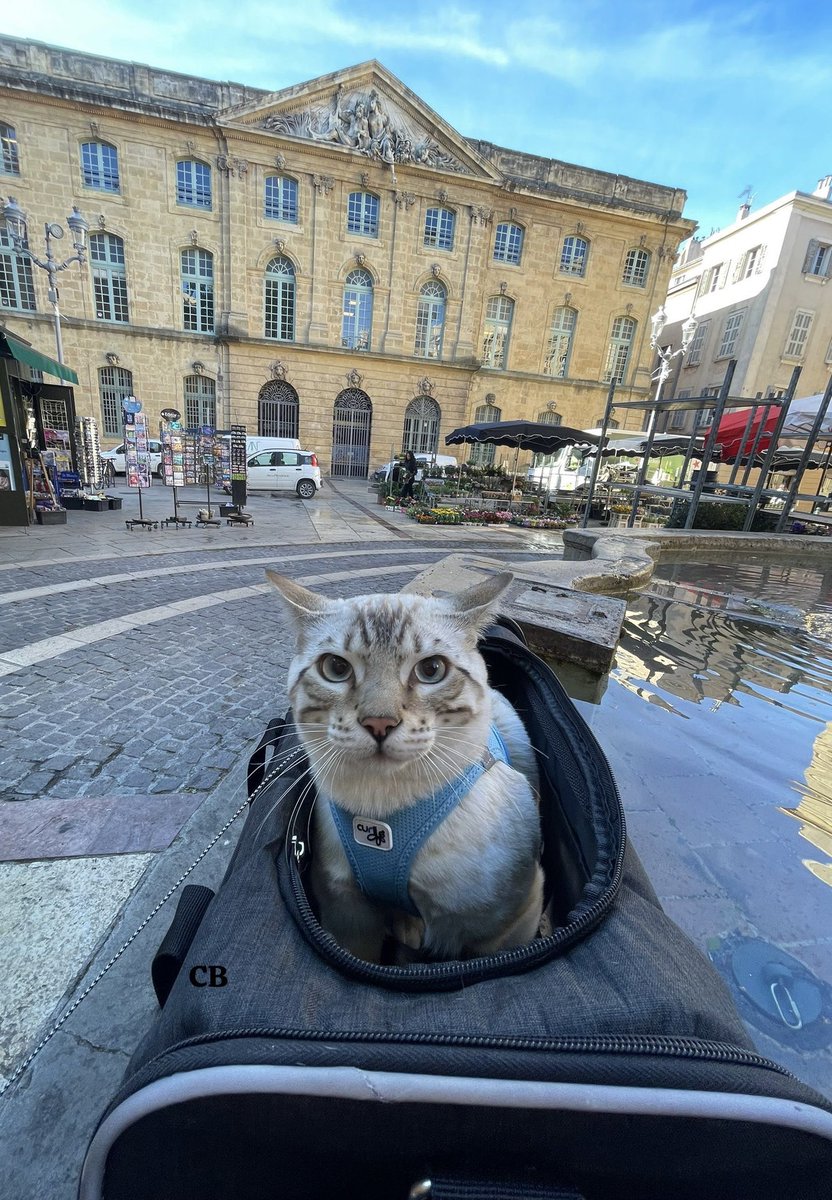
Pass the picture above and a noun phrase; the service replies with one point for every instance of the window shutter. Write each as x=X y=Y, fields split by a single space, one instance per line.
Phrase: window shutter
x=738 y=268
x=810 y=254
x=760 y=260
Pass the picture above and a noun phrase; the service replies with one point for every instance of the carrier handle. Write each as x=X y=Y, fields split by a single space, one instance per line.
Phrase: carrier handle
x=266 y=749
x=453 y=1187
x=168 y=960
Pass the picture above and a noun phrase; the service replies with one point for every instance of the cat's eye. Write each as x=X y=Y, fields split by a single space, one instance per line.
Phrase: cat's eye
x=334 y=668
x=431 y=670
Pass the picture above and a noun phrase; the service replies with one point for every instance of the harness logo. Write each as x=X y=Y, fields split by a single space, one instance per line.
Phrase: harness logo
x=375 y=834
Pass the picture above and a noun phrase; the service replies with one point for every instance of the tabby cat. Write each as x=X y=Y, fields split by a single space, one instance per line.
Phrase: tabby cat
x=392 y=704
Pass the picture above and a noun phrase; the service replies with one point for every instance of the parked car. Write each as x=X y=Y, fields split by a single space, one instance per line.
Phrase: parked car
x=382 y=474
x=116 y=457
x=284 y=470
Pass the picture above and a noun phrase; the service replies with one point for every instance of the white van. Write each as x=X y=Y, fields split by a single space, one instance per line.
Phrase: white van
x=566 y=470
x=254 y=445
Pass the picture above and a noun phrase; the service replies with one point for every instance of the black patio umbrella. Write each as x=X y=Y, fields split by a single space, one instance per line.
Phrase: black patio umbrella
x=663 y=444
x=523 y=435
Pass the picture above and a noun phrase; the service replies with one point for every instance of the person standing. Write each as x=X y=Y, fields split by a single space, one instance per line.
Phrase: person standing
x=410 y=466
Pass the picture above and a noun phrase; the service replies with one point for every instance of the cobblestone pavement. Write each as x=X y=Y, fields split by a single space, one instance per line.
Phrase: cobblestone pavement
x=137 y=672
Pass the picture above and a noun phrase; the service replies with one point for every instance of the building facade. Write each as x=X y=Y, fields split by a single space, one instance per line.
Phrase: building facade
x=331 y=261
x=760 y=291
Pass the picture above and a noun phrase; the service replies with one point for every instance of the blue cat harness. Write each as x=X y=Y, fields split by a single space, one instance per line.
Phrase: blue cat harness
x=381 y=853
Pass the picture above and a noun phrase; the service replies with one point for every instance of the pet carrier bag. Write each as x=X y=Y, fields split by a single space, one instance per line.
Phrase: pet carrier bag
x=604 y=1059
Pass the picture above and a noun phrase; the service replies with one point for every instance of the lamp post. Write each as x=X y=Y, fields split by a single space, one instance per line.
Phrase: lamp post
x=666 y=357
x=16 y=225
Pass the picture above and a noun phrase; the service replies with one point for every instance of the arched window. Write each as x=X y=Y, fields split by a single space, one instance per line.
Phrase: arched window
x=115 y=384
x=439 y=228
x=618 y=352
x=482 y=454
x=357 y=313
x=9 y=155
x=99 y=166
x=200 y=394
x=280 y=300
x=573 y=256
x=547 y=417
x=281 y=201
x=430 y=320
x=636 y=266
x=498 y=314
x=421 y=426
x=277 y=410
x=109 y=280
x=197 y=283
x=362 y=214
x=17 y=288
x=508 y=243
x=193 y=183
x=560 y=342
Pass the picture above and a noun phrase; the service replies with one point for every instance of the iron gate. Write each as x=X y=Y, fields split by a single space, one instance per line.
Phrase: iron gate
x=277 y=410
x=352 y=418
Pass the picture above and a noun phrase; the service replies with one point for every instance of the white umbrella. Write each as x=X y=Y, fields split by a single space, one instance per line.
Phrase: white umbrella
x=801 y=417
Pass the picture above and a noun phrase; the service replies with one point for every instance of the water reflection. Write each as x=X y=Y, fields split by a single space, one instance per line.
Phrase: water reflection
x=717 y=720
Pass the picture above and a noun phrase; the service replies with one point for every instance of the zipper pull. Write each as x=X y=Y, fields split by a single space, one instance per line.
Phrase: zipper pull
x=298 y=848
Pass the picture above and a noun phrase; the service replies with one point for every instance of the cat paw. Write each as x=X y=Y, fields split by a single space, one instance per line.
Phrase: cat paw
x=410 y=931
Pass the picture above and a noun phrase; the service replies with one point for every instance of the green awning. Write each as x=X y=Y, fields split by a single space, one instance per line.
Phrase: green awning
x=11 y=347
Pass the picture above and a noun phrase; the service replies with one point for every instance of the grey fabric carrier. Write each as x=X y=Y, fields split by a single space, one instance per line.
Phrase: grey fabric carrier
x=606 y=1061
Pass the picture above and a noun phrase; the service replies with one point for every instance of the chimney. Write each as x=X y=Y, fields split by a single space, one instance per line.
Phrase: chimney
x=744 y=210
x=824 y=188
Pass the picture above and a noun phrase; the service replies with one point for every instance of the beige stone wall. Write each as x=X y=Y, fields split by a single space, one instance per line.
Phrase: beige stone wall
x=156 y=348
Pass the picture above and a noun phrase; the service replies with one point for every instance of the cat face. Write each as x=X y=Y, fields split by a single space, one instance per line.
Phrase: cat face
x=390 y=686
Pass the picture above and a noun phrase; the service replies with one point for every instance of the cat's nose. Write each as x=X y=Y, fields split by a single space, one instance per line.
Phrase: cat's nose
x=379 y=727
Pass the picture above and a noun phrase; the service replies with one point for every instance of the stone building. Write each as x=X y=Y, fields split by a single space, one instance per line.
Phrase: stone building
x=759 y=292
x=331 y=260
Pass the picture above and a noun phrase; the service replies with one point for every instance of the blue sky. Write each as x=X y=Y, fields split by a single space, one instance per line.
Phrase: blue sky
x=710 y=97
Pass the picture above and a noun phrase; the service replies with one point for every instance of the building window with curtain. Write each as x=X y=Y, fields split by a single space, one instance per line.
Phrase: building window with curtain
x=482 y=453
x=498 y=315
x=280 y=300
x=357 y=313
x=17 y=287
x=636 y=266
x=193 y=183
x=573 y=256
x=560 y=342
x=281 y=201
x=508 y=243
x=109 y=280
x=618 y=352
x=9 y=153
x=115 y=384
x=197 y=283
x=430 y=320
x=439 y=228
x=200 y=401
x=421 y=426
x=362 y=214
x=99 y=166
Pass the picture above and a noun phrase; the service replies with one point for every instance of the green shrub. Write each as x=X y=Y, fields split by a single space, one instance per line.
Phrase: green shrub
x=712 y=514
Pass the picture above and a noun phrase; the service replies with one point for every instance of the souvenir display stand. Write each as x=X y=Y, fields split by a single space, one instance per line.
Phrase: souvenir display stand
x=137 y=458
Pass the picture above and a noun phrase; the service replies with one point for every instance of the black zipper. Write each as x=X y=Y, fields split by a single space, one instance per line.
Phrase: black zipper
x=657 y=1045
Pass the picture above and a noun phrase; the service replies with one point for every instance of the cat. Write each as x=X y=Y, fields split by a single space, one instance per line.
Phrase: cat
x=391 y=701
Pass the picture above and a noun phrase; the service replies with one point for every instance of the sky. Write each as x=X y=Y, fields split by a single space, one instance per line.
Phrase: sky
x=714 y=98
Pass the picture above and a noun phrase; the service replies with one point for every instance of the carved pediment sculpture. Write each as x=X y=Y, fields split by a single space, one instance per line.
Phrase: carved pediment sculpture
x=361 y=122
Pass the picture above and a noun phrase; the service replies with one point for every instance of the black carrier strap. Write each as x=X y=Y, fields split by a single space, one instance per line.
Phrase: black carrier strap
x=263 y=753
x=459 y=1188
x=168 y=960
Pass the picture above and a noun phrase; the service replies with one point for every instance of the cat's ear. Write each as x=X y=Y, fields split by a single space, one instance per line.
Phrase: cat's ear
x=478 y=603
x=302 y=604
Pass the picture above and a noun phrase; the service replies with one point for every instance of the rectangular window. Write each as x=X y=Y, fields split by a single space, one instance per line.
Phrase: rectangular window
x=796 y=343
x=439 y=228
x=281 y=199
x=9 y=157
x=713 y=278
x=109 y=282
x=99 y=166
x=193 y=184
x=197 y=284
x=362 y=214
x=695 y=352
x=818 y=259
x=752 y=262
x=729 y=334
x=115 y=385
x=280 y=309
x=17 y=288
x=508 y=243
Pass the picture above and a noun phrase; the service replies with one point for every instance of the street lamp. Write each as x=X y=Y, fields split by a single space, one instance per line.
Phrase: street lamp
x=16 y=226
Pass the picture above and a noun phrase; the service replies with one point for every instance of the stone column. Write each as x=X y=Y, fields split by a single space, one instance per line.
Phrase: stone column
x=469 y=310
